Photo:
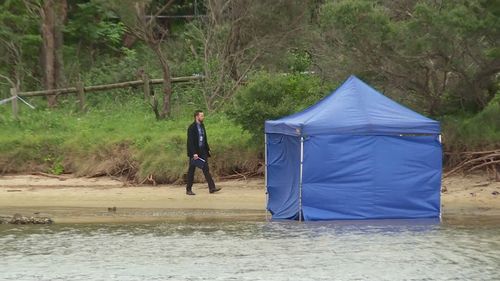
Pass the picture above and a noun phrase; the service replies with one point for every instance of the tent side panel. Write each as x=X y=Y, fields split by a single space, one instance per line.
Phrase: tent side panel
x=408 y=176
x=370 y=177
x=337 y=177
x=283 y=165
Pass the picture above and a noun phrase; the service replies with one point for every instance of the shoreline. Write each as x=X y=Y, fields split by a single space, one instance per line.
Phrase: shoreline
x=104 y=200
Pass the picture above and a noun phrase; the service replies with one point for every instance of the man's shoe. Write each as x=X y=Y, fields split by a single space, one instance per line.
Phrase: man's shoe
x=214 y=190
x=189 y=192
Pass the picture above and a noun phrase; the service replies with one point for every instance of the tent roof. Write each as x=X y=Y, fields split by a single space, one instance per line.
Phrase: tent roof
x=354 y=108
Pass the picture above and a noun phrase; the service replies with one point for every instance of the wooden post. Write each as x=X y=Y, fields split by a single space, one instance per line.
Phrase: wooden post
x=15 y=109
x=145 y=79
x=81 y=95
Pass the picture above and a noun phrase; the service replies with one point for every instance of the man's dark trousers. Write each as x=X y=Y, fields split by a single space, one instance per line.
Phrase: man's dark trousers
x=206 y=172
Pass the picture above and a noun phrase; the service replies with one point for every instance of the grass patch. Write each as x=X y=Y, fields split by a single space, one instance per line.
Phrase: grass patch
x=121 y=139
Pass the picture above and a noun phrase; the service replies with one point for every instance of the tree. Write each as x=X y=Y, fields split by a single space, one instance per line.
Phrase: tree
x=437 y=55
x=19 y=42
x=141 y=19
x=236 y=37
x=53 y=15
x=93 y=28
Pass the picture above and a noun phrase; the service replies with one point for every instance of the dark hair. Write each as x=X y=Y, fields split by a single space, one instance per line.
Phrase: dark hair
x=197 y=112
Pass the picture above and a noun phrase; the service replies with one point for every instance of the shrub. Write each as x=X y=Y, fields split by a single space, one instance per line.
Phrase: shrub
x=271 y=96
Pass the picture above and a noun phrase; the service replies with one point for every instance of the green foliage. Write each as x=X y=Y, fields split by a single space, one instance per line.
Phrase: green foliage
x=440 y=55
x=110 y=69
x=93 y=48
x=298 y=60
x=20 y=42
x=92 y=25
x=480 y=131
x=447 y=32
x=19 y=27
x=184 y=51
x=361 y=21
x=56 y=166
x=271 y=96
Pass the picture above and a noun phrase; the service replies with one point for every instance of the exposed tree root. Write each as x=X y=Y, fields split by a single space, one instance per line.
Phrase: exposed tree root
x=475 y=160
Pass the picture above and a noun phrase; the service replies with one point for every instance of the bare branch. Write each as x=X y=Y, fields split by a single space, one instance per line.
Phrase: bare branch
x=12 y=84
x=161 y=10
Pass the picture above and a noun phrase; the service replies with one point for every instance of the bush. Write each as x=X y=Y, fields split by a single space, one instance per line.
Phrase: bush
x=272 y=96
x=478 y=132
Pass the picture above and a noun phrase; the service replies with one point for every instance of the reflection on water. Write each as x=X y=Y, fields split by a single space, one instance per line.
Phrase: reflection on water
x=215 y=250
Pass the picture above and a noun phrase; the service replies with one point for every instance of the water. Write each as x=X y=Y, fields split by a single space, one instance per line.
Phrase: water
x=255 y=250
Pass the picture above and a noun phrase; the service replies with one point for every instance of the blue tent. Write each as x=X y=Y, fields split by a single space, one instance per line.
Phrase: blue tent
x=356 y=154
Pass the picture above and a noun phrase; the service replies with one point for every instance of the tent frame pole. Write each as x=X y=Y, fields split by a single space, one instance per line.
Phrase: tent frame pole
x=300 y=175
x=440 y=208
x=265 y=174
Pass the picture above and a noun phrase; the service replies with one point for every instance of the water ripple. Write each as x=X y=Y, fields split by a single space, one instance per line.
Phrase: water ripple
x=398 y=250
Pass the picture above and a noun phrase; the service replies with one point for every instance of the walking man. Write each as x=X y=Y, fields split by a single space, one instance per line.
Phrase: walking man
x=198 y=152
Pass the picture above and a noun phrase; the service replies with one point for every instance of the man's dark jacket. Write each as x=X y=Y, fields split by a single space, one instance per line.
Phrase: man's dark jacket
x=192 y=141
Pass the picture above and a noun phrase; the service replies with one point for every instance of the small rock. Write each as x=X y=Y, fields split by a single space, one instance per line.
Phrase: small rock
x=473 y=194
x=4 y=220
x=495 y=192
x=42 y=220
x=112 y=209
x=19 y=219
x=17 y=216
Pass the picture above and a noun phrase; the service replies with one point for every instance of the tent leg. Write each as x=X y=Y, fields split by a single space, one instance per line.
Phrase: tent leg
x=265 y=175
x=440 y=208
x=300 y=176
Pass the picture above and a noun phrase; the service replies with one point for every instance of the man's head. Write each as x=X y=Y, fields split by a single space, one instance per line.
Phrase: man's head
x=199 y=116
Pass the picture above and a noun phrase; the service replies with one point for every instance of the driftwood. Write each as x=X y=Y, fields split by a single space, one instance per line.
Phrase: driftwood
x=474 y=160
x=240 y=176
x=150 y=179
x=50 y=176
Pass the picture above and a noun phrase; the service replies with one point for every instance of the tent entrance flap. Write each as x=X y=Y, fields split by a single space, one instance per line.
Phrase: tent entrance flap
x=283 y=168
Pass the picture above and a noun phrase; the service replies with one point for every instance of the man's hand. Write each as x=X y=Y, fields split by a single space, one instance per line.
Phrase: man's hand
x=195 y=157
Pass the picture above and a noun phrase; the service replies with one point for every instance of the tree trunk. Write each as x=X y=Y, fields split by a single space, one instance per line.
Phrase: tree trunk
x=48 y=47
x=167 y=82
x=234 y=41
x=61 y=12
x=53 y=15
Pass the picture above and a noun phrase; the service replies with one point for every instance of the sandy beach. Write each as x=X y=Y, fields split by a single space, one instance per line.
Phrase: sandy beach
x=89 y=200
